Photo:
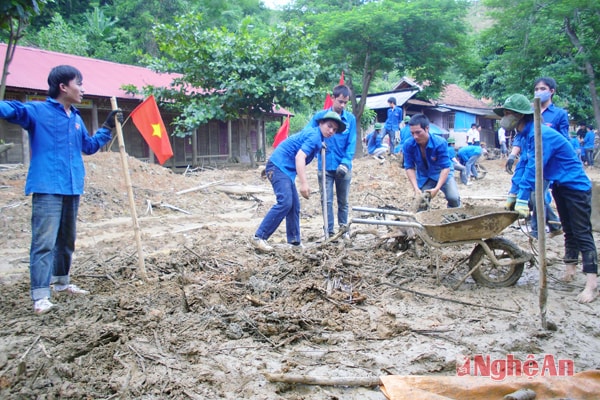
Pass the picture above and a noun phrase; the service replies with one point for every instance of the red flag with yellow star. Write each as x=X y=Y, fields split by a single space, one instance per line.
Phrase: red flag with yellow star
x=146 y=118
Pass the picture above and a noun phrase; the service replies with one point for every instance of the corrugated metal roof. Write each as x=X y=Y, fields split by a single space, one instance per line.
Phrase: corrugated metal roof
x=476 y=111
x=30 y=67
x=378 y=101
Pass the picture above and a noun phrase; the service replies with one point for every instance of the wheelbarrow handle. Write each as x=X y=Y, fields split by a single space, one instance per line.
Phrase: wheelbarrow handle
x=383 y=211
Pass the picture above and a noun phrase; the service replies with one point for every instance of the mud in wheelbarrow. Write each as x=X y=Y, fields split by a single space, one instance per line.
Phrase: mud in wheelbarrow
x=494 y=262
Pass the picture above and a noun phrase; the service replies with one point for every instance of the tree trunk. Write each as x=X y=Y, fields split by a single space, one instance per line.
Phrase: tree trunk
x=588 y=67
x=13 y=37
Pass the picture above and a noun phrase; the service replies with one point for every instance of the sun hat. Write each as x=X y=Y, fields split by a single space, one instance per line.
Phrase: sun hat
x=451 y=140
x=517 y=103
x=333 y=116
x=378 y=125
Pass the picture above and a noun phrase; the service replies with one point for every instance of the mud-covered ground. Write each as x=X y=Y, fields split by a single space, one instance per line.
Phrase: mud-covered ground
x=214 y=316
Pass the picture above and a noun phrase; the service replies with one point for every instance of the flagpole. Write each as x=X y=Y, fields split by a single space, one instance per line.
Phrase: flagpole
x=136 y=225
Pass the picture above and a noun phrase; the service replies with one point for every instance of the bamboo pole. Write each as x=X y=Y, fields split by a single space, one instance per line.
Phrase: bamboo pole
x=136 y=225
x=540 y=209
x=324 y=191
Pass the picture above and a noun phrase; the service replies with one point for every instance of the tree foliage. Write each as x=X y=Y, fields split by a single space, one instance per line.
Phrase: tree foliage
x=531 y=38
x=227 y=75
x=14 y=17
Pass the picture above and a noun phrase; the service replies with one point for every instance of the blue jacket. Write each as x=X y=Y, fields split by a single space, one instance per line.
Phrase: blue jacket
x=371 y=147
x=466 y=152
x=588 y=140
x=56 y=141
x=437 y=159
x=557 y=119
x=341 y=146
x=309 y=140
x=561 y=164
x=394 y=116
x=575 y=143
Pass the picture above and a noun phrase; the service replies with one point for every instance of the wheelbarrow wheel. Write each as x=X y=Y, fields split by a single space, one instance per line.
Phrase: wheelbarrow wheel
x=481 y=171
x=491 y=275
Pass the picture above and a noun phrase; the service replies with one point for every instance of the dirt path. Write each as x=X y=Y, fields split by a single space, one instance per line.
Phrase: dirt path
x=216 y=316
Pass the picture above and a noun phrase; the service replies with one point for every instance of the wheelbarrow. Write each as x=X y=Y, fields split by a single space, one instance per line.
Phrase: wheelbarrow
x=494 y=262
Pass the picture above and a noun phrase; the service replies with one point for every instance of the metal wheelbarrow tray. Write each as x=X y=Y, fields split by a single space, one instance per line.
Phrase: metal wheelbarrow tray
x=494 y=262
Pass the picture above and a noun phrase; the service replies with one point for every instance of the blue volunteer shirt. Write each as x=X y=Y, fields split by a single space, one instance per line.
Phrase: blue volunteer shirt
x=436 y=158
x=588 y=140
x=371 y=147
x=466 y=152
x=392 y=123
x=561 y=164
x=56 y=141
x=557 y=119
x=309 y=140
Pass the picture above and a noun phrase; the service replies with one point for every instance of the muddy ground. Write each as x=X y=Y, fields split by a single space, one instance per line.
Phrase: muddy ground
x=215 y=316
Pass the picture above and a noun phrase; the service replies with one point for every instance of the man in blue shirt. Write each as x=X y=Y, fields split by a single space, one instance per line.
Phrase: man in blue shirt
x=427 y=164
x=588 y=145
x=468 y=156
x=455 y=163
x=289 y=160
x=338 y=159
x=557 y=119
x=57 y=137
x=374 y=145
x=392 y=123
x=571 y=188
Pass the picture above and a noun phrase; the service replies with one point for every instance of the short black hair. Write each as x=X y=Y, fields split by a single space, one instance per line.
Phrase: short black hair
x=61 y=74
x=392 y=100
x=341 y=90
x=547 y=80
x=419 y=119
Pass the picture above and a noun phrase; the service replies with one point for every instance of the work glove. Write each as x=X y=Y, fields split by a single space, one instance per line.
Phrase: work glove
x=511 y=199
x=341 y=171
x=522 y=207
x=509 y=164
x=110 y=120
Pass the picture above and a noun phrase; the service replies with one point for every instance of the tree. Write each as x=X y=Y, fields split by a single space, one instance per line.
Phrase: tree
x=233 y=75
x=530 y=39
x=14 y=17
x=61 y=37
x=420 y=38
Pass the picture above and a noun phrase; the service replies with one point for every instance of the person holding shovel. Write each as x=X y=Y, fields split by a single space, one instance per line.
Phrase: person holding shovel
x=427 y=164
x=289 y=160
x=571 y=189
x=338 y=160
x=58 y=137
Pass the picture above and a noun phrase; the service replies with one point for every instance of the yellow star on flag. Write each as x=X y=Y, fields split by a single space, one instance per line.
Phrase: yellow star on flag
x=156 y=131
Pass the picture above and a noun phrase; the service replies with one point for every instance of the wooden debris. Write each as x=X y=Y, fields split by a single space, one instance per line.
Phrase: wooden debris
x=194 y=189
x=323 y=381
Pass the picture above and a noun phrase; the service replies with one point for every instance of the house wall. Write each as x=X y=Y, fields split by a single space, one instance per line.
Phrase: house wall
x=208 y=145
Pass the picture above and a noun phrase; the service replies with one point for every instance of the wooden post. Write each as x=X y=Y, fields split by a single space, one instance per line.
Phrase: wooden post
x=324 y=191
x=540 y=209
x=136 y=225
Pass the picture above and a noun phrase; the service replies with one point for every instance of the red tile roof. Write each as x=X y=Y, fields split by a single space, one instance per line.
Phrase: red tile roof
x=453 y=95
x=30 y=67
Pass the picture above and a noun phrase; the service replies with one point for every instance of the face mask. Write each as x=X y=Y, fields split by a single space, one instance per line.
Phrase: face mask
x=509 y=122
x=544 y=96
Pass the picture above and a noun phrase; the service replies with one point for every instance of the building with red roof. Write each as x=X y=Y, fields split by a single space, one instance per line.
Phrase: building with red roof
x=213 y=143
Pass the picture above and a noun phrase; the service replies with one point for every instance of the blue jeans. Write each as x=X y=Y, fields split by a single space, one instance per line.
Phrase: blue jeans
x=450 y=190
x=470 y=166
x=53 y=232
x=550 y=215
x=575 y=209
x=342 y=191
x=287 y=206
x=589 y=156
x=464 y=178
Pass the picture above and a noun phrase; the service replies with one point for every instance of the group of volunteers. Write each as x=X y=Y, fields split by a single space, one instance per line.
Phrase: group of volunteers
x=429 y=161
x=58 y=138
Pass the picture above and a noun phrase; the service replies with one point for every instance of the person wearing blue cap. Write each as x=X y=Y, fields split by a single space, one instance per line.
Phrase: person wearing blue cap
x=571 y=189
x=427 y=164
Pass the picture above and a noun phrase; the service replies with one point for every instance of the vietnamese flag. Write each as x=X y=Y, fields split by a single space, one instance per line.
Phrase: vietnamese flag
x=146 y=118
x=282 y=133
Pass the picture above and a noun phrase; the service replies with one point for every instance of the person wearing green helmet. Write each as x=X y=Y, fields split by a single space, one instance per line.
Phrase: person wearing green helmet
x=457 y=165
x=571 y=188
x=287 y=161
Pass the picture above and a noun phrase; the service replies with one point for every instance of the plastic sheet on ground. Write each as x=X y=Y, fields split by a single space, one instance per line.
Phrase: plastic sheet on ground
x=581 y=386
